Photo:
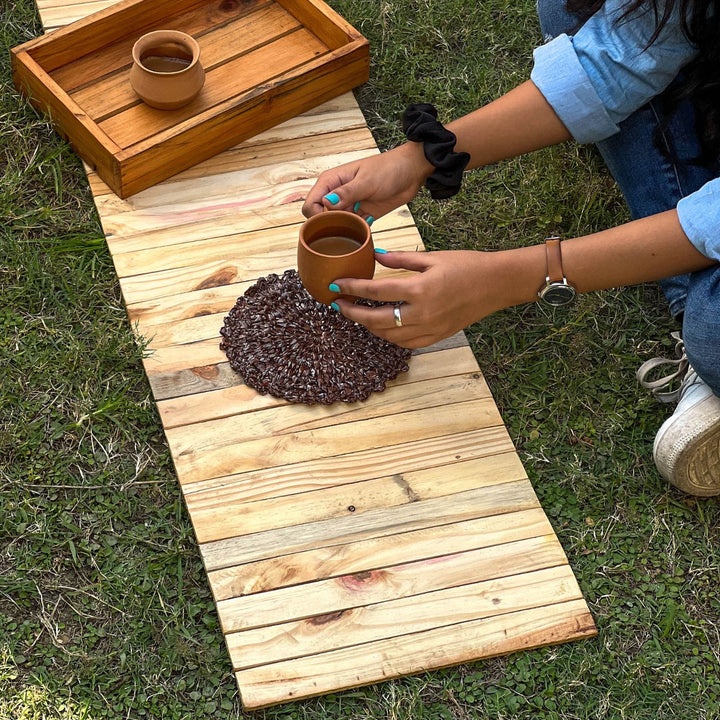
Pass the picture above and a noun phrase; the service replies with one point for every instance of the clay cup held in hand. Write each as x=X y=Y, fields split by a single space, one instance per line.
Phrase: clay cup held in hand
x=166 y=71
x=334 y=244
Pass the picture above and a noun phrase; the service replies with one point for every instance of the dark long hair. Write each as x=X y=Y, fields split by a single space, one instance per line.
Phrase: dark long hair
x=701 y=84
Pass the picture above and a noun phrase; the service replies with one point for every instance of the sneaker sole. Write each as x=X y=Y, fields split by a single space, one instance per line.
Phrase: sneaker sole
x=697 y=467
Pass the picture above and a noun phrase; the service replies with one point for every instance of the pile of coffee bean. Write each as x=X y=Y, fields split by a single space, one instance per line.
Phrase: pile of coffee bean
x=286 y=344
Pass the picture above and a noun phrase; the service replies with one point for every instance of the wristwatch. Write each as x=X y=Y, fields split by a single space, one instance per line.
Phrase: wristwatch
x=557 y=290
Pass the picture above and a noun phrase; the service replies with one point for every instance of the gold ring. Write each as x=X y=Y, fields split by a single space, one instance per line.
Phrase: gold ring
x=397 y=316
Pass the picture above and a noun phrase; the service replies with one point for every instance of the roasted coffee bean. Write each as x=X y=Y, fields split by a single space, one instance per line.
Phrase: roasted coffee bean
x=284 y=343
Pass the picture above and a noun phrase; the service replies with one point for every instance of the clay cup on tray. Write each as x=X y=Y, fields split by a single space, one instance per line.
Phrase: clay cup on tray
x=334 y=244
x=166 y=71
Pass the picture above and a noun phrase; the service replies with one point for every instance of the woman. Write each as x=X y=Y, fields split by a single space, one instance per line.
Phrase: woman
x=632 y=79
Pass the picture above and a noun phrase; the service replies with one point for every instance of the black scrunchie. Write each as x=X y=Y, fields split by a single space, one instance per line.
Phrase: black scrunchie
x=420 y=124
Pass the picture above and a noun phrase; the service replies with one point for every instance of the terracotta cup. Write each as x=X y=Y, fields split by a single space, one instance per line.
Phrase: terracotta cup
x=334 y=244
x=166 y=71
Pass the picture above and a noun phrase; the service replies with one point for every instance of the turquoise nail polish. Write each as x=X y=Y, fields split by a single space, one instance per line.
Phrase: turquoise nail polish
x=332 y=287
x=356 y=206
x=335 y=306
x=332 y=198
x=369 y=219
x=381 y=251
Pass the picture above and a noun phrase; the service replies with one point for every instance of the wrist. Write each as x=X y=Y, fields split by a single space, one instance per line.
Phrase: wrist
x=413 y=156
x=518 y=273
x=420 y=125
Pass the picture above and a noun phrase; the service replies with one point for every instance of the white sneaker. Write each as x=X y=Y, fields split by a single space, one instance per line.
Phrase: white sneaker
x=687 y=446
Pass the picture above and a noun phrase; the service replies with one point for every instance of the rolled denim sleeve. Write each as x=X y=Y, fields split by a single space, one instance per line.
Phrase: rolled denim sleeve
x=601 y=75
x=699 y=215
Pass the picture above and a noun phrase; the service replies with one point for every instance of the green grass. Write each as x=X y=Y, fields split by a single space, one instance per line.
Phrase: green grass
x=104 y=606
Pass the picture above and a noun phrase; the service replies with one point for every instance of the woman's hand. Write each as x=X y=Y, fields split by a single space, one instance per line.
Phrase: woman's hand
x=375 y=184
x=450 y=290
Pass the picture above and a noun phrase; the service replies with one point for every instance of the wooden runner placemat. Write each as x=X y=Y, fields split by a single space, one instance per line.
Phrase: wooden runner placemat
x=344 y=544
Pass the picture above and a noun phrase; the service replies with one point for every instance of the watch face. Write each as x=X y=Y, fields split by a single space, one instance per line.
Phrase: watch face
x=558 y=294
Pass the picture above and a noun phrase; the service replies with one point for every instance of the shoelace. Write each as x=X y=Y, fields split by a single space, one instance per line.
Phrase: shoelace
x=659 y=387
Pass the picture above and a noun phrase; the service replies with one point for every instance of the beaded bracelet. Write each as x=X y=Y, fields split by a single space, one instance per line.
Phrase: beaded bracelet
x=420 y=124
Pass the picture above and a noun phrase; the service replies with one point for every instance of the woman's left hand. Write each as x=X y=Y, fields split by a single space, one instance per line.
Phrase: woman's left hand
x=450 y=290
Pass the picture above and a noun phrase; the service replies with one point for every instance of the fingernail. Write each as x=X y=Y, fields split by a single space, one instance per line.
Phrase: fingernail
x=332 y=198
x=369 y=219
x=335 y=306
x=356 y=206
x=332 y=287
x=381 y=251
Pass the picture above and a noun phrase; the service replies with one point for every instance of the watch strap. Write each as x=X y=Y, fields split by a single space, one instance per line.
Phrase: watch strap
x=553 y=255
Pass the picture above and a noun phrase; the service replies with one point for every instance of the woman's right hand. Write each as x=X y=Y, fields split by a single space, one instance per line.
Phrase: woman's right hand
x=379 y=183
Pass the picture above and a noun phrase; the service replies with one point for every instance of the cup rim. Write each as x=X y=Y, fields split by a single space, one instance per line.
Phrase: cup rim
x=343 y=213
x=145 y=42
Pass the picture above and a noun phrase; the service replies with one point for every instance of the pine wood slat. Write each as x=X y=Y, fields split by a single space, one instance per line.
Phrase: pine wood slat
x=435 y=512
x=211 y=510
x=222 y=222
x=226 y=402
x=343 y=544
x=133 y=260
x=192 y=286
x=106 y=19
x=226 y=454
x=241 y=190
x=437 y=453
x=365 y=555
x=375 y=586
x=53 y=18
x=292 y=419
x=161 y=323
x=180 y=370
x=412 y=654
x=44 y=5
x=202 y=357
x=198 y=315
x=372 y=622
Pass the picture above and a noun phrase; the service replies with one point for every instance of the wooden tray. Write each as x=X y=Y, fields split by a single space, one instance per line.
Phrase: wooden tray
x=265 y=60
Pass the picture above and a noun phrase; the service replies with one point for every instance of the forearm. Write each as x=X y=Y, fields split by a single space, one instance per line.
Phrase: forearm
x=640 y=251
x=519 y=122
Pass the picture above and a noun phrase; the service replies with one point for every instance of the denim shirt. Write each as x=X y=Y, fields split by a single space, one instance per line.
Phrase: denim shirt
x=601 y=75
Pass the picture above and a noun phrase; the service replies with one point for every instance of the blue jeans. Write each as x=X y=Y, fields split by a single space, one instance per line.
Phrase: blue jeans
x=652 y=183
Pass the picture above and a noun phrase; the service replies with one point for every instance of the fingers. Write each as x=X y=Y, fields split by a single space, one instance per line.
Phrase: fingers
x=378 y=320
x=341 y=188
x=386 y=290
x=392 y=288
x=328 y=189
x=381 y=322
x=339 y=198
x=344 y=198
x=404 y=260
x=372 y=181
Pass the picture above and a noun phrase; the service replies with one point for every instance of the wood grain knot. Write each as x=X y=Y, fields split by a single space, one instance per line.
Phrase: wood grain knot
x=358 y=581
x=326 y=618
x=206 y=372
x=224 y=276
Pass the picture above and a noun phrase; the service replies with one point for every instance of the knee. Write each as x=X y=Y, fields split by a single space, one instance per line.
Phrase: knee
x=554 y=18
